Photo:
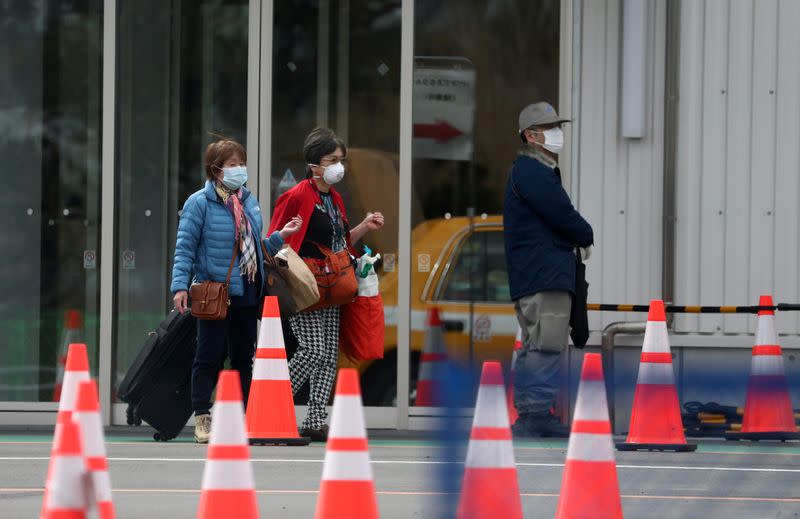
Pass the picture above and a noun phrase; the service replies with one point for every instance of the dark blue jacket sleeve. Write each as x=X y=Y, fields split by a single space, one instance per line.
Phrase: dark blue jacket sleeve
x=543 y=193
x=189 y=228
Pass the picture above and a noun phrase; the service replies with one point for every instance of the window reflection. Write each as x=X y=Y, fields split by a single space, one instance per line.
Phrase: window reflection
x=182 y=80
x=50 y=98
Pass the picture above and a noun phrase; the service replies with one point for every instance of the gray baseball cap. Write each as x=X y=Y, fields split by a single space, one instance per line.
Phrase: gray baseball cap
x=538 y=114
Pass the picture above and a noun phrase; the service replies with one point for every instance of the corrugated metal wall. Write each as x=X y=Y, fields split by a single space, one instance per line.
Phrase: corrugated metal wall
x=738 y=159
x=619 y=181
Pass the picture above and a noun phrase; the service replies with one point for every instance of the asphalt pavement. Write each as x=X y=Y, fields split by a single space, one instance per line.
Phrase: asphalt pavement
x=162 y=480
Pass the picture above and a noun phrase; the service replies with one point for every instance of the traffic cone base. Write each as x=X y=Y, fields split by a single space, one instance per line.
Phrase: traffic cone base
x=494 y=484
x=270 y=416
x=601 y=494
x=347 y=499
x=220 y=503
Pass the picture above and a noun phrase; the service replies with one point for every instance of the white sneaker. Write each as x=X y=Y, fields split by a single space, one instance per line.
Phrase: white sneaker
x=202 y=428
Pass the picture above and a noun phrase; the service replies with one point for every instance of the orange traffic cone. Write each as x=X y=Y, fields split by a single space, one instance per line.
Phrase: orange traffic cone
x=490 y=486
x=512 y=409
x=656 y=416
x=73 y=333
x=270 y=407
x=87 y=416
x=589 y=487
x=66 y=490
x=347 y=489
x=77 y=370
x=228 y=487
x=431 y=361
x=768 y=411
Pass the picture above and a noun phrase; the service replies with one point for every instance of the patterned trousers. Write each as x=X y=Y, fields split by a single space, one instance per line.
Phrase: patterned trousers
x=317 y=335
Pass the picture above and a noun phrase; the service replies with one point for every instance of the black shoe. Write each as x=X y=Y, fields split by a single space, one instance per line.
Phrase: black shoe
x=316 y=435
x=547 y=426
x=520 y=428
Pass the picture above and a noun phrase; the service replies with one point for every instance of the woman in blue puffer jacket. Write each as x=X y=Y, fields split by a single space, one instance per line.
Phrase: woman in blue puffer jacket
x=210 y=221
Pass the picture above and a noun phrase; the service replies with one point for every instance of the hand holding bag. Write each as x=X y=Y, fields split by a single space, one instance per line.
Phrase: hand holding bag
x=210 y=299
x=336 y=278
x=362 y=323
x=275 y=283
x=579 y=316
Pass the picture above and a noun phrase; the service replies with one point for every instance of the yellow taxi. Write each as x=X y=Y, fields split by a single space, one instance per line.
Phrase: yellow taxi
x=459 y=267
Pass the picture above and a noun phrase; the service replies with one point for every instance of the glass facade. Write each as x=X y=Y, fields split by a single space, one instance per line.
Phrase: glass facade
x=50 y=112
x=181 y=77
x=337 y=64
x=182 y=73
x=476 y=65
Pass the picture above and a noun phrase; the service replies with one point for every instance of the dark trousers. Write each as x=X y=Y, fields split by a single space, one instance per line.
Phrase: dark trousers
x=233 y=337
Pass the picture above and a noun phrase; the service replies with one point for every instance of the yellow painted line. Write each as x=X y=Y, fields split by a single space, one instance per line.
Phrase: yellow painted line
x=413 y=493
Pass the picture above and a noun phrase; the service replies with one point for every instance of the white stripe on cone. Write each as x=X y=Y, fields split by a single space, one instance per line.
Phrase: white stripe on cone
x=94 y=446
x=271 y=333
x=655 y=373
x=271 y=369
x=490 y=454
x=347 y=418
x=228 y=475
x=765 y=331
x=591 y=403
x=69 y=389
x=590 y=447
x=66 y=489
x=766 y=365
x=492 y=414
x=347 y=466
x=234 y=431
x=656 y=339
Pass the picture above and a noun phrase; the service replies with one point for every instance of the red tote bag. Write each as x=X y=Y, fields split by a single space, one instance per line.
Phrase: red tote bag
x=361 y=329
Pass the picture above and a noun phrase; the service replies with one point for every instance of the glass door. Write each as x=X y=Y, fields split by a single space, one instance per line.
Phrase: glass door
x=336 y=63
x=50 y=101
x=181 y=82
x=476 y=65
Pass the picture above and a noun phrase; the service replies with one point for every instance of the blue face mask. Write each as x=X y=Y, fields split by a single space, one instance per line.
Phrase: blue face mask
x=234 y=178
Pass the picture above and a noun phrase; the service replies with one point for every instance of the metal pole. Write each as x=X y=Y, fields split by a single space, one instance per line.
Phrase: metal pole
x=607 y=351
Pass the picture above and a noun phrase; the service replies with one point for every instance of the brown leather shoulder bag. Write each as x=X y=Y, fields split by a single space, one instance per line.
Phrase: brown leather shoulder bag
x=210 y=299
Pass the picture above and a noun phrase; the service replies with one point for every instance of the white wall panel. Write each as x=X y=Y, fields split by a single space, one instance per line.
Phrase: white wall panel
x=620 y=187
x=738 y=159
x=787 y=163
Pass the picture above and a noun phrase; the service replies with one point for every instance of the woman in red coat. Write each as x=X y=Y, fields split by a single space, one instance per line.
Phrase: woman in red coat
x=325 y=222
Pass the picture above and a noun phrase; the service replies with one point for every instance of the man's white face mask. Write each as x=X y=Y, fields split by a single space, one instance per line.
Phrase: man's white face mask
x=553 y=140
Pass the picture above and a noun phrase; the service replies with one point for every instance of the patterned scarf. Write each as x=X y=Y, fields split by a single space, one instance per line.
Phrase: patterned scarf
x=248 y=263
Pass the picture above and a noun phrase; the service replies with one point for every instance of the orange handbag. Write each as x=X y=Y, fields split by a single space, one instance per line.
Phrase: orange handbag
x=336 y=278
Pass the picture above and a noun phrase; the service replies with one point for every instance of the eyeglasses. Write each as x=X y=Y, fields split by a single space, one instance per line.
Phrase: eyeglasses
x=332 y=159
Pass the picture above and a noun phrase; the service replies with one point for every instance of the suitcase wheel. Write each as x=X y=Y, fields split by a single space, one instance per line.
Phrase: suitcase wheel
x=157 y=436
x=132 y=417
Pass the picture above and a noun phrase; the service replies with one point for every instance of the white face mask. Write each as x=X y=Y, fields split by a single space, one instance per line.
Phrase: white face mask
x=333 y=174
x=553 y=140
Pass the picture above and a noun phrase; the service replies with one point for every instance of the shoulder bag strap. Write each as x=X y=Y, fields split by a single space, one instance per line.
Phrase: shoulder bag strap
x=233 y=258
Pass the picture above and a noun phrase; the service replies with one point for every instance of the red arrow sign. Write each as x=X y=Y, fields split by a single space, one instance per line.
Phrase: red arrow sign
x=441 y=131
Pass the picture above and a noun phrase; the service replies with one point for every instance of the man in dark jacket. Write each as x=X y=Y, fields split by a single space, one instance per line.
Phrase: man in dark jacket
x=542 y=232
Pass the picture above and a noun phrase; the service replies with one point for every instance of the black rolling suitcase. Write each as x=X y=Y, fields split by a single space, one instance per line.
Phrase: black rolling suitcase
x=157 y=385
